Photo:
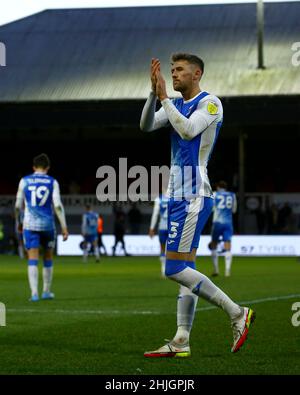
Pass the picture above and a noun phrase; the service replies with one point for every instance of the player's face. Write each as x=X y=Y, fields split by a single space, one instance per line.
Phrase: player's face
x=184 y=75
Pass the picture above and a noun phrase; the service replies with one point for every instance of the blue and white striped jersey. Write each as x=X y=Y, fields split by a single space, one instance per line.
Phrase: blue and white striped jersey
x=224 y=206
x=160 y=209
x=39 y=191
x=189 y=158
x=195 y=127
x=90 y=223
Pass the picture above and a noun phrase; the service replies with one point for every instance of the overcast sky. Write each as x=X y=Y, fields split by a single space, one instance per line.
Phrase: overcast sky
x=16 y=9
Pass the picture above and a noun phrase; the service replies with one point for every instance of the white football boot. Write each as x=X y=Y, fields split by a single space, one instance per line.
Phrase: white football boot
x=170 y=350
x=240 y=327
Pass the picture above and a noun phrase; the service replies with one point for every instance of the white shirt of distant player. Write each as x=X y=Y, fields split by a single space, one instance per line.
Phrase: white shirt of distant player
x=163 y=219
x=29 y=222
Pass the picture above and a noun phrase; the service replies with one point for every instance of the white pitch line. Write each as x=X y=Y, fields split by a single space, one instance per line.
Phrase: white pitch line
x=137 y=312
x=99 y=312
x=256 y=301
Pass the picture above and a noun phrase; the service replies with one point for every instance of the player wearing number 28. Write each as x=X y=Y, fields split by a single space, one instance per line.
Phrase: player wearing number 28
x=224 y=206
x=40 y=192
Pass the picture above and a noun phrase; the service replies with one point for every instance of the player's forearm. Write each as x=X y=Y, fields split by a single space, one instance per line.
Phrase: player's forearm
x=148 y=114
x=155 y=214
x=185 y=127
x=60 y=212
x=58 y=206
x=17 y=215
x=19 y=199
x=19 y=203
x=153 y=220
x=18 y=207
x=151 y=119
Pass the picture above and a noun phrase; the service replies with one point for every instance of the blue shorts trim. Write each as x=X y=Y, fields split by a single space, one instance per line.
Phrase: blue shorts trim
x=48 y=263
x=186 y=220
x=90 y=238
x=33 y=262
x=36 y=239
x=174 y=266
x=224 y=230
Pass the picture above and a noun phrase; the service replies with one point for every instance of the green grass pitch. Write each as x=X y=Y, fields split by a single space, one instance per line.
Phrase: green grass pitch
x=106 y=315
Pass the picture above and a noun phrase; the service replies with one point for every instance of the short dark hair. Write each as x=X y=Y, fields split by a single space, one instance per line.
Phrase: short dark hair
x=42 y=161
x=222 y=184
x=193 y=59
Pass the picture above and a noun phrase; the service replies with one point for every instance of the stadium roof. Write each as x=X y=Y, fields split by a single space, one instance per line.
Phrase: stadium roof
x=96 y=54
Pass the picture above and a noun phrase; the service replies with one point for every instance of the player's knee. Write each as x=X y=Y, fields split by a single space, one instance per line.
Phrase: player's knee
x=184 y=291
x=48 y=255
x=227 y=246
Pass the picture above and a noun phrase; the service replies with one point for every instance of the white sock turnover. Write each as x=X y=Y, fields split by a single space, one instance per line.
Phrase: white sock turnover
x=47 y=278
x=186 y=306
x=228 y=260
x=33 y=276
x=214 y=256
x=202 y=286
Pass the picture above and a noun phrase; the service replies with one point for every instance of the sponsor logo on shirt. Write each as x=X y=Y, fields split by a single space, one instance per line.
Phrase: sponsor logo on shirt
x=212 y=107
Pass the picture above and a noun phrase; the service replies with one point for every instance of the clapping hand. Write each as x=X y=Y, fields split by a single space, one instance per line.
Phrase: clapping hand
x=158 y=83
x=155 y=67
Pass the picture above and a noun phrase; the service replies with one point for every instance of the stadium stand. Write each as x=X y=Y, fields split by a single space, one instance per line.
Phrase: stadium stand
x=76 y=80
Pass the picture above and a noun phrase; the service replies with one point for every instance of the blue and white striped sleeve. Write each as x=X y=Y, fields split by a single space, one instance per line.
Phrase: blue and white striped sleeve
x=151 y=120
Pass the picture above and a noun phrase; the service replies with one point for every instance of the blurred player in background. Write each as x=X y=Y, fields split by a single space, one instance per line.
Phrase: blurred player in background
x=1 y=237
x=119 y=229
x=100 y=233
x=194 y=120
x=40 y=193
x=19 y=234
x=160 y=210
x=89 y=230
x=224 y=206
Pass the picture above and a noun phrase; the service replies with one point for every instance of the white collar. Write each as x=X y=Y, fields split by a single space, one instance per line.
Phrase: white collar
x=187 y=101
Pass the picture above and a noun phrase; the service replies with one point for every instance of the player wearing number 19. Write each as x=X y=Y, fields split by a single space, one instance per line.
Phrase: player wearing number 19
x=224 y=206
x=40 y=192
